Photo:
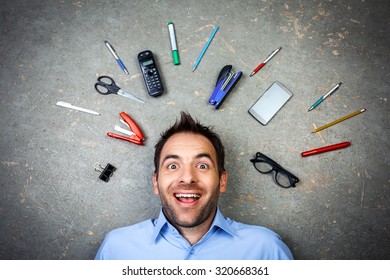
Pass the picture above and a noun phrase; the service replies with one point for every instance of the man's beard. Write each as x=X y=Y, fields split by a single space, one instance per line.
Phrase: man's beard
x=204 y=212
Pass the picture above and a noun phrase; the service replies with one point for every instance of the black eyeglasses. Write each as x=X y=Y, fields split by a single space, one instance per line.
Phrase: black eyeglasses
x=265 y=165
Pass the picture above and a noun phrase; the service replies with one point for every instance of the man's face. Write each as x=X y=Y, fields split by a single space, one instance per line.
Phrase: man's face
x=188 y=182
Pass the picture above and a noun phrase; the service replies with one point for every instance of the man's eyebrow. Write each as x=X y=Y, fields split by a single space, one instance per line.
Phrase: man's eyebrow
x=169 y=157
x=198 y=156
x=206 y=155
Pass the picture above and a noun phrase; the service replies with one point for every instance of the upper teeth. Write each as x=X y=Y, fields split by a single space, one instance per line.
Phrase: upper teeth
x=187 y=195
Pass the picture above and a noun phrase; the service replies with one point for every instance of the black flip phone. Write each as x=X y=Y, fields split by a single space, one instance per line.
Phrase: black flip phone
x=150 y=73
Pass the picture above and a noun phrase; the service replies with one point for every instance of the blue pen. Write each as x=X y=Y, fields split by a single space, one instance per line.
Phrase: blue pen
x=325 y=96
x=116 y=57
x=205 y=48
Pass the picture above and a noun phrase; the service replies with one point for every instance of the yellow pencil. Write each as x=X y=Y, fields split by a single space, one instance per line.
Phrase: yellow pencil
x=340 y=120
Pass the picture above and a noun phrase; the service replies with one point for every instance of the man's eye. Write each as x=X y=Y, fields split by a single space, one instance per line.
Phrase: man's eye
x=203 y=166
x=172 y=166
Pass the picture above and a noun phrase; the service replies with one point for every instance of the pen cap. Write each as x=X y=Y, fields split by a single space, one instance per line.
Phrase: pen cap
x=176 y=59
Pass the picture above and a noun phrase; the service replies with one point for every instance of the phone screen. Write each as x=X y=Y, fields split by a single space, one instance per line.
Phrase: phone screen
x=148 y=62
x=270 y=102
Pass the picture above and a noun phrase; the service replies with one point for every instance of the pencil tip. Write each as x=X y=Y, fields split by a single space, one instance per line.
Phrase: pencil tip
x=193 y=69
x=251 y=74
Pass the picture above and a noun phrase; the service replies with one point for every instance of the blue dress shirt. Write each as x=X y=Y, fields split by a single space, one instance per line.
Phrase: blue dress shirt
x=157 y=239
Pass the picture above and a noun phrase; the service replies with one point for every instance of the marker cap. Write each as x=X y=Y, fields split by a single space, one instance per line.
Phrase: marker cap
x=176 y=59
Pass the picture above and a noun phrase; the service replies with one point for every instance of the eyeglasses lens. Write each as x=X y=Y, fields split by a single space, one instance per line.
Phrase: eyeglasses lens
x=282 y=179
x=263 y=167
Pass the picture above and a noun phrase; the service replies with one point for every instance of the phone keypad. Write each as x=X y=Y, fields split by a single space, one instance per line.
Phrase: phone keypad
x=153 y=80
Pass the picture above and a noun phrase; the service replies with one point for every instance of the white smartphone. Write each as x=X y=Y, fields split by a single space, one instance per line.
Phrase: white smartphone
x=270 y=102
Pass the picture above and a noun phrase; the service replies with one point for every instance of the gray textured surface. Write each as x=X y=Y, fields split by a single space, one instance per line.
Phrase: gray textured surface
x=52 y=204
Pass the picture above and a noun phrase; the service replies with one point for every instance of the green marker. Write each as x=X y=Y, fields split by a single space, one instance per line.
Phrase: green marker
x=172 y=37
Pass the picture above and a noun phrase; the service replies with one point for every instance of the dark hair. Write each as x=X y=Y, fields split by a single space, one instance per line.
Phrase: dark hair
x=188 y=125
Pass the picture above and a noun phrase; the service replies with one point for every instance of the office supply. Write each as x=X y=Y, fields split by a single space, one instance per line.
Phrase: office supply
x=325 y=149
x=339 y=120
x=325 y=96
x=205 y=48
x=265 y=165
x=270 y=102
x=226 y=81
x=261 y=65
x=113 y=52
x=106 y=85
x=70 y=106
x=105 y=172
x=122 y=130
x=172 y=38
x=135 y=136
x=150 y=73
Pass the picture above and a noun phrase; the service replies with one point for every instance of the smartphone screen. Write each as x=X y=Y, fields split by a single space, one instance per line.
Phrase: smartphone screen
x=270 y=102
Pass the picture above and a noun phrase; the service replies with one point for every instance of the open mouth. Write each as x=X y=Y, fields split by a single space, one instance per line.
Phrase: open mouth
x=187 y=197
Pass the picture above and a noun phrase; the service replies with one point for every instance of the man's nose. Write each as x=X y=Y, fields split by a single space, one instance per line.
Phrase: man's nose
x=187 y=175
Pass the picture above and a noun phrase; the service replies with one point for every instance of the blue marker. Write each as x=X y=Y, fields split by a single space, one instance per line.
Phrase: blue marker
x=205 y=48
x=116 y=57
x=325 y=96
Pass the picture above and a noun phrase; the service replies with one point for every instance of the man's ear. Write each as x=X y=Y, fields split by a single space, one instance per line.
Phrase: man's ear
x=223 y=182
x=155 y=184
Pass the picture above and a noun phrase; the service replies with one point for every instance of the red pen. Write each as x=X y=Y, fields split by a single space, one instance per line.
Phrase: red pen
x=265 y=62
x=326 y=149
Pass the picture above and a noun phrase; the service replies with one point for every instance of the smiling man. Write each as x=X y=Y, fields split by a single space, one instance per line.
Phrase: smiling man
x=189 y=177
x=189 y=183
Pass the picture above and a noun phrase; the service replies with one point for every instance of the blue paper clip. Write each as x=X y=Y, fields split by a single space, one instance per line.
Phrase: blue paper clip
x=226 y=81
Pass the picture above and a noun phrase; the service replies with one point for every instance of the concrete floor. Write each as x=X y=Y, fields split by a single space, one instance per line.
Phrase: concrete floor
x=52 y=203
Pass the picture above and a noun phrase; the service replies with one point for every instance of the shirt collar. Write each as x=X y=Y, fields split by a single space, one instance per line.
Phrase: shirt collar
x=159 y=224
x=223 y=223
x=219 y=221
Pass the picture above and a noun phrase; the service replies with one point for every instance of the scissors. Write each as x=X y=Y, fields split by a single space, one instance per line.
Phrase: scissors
x=135 y=136
x=106 y=85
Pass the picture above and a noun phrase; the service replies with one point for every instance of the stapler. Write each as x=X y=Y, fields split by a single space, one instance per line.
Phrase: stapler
x=226 y=81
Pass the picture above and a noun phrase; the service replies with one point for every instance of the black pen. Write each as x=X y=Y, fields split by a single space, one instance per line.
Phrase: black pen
x=116 y=57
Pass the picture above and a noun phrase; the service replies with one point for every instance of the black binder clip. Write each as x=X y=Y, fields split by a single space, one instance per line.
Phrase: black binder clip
x=226 y=81
x=106 y=172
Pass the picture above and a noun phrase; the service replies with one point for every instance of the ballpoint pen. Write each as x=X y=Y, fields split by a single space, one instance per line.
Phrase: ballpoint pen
x=172 y=37
x=113 y=52
x=70 y=106
x=261 y=65
x=325 y=149
x=339 y=120
x=205 y=48
x=325 y=96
